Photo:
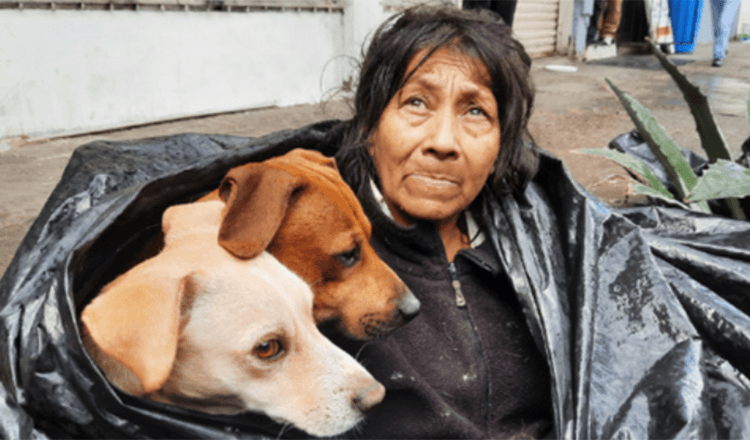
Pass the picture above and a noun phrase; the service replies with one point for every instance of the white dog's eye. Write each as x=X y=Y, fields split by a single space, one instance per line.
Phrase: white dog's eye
x=349 y=258
x=269 y=350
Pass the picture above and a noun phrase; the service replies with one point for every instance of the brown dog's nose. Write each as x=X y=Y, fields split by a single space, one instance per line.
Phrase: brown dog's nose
x=408 y=305
x=366 y=398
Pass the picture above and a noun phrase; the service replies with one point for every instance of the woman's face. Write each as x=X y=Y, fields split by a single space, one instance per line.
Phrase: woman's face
x=437 y=139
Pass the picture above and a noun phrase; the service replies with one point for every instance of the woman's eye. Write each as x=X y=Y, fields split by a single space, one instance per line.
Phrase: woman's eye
x=416 y=102
x=477 y=111
x=269 y=350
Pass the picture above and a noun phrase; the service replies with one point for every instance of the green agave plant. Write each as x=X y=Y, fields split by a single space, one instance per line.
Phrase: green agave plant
x=722 y=180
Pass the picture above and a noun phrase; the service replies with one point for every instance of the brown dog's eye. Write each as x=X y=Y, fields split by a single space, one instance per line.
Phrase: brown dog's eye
x=225 y=189
x=269 y=350
x=349 y=258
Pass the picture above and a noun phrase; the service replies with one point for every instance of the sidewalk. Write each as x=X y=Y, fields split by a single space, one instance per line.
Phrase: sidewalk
x=572 y=111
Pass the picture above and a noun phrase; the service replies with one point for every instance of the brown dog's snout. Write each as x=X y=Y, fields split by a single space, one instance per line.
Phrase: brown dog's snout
x=366 y=398
x=408 y=305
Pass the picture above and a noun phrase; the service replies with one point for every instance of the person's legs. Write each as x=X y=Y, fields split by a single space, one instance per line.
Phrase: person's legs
x=611 y=23
x=723 y=13
x=718 y=54
x=603 y=10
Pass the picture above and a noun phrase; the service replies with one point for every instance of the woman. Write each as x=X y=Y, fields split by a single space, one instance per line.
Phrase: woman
x=443 y=101
x=544 y=313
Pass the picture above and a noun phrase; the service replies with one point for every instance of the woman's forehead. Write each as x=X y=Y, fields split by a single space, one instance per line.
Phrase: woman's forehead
x=450 y=56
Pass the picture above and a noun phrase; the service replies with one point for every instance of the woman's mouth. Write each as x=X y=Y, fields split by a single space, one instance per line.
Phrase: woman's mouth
x=432 y=186
x=434 y=180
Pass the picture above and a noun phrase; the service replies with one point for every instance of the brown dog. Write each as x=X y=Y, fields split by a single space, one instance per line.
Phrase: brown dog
x=197 y=327
x=298 y=208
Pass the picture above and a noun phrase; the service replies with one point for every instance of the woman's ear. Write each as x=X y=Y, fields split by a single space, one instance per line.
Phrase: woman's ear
x=370 y=142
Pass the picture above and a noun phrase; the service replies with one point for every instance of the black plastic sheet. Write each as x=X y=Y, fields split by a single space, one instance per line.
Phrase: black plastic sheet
x=642 y=313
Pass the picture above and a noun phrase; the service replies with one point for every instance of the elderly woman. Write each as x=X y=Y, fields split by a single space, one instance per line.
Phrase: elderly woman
x=443 y=101
x=544 y=313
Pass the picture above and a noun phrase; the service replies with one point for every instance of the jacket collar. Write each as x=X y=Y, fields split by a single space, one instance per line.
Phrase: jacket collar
x=472 y=228
x=421 y=240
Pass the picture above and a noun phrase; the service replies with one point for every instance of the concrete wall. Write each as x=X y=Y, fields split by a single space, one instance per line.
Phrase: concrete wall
x=75 y=71
x=743 y=17
x=69 y=71
x=361 y=19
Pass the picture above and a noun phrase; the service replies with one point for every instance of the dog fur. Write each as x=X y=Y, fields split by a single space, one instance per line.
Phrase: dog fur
x=199 y=327
x=298 y=208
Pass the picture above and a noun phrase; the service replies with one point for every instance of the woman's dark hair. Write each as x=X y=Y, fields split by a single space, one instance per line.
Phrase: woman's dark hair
x=478 y=34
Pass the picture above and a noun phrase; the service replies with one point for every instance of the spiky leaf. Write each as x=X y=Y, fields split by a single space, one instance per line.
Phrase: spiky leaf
x=721 y=180
x=650 y=192
x=662 y=146
x=712 y=139
x=633 y=164
x=656 y=190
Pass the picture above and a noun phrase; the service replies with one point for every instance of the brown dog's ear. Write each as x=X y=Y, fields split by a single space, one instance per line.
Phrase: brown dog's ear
x=136 y=322
x=302 y=155
x=257 y=197
x=325 y=172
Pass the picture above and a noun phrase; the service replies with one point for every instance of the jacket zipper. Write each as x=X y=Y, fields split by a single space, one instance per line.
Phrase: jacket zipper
x=461 y=303
x=460 y=298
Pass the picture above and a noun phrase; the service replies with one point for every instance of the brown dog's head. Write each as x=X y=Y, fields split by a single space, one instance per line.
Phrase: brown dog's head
x=299 y=209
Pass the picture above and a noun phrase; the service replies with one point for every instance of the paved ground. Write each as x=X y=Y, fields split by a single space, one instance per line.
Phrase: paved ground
x=572 y=111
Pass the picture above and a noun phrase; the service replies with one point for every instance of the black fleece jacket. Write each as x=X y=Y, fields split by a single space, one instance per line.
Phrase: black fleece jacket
x=455 y=371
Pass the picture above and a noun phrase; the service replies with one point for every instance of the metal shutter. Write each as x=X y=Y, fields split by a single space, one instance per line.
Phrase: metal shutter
x=535 y=24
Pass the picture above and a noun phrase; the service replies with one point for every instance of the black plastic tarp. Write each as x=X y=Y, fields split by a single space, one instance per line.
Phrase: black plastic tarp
x=642 y=313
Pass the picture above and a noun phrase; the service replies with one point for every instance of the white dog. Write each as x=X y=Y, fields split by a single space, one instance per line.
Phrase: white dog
x=200 y=328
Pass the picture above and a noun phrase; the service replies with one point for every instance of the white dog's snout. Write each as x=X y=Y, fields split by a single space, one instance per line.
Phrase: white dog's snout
x=343 y=392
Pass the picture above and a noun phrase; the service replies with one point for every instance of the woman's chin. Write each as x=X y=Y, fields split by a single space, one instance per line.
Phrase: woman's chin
x=429 y=209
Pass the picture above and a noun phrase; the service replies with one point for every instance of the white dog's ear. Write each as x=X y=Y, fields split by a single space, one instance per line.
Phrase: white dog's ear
x=136 y=321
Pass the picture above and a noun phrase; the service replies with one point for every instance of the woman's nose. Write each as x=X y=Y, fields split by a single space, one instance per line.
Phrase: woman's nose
x=443 y=137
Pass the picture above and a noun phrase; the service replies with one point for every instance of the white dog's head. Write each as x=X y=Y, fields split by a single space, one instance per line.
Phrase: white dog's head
x=200 y=328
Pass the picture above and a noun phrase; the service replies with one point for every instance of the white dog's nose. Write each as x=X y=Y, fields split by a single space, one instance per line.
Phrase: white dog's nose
x=367 y=397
